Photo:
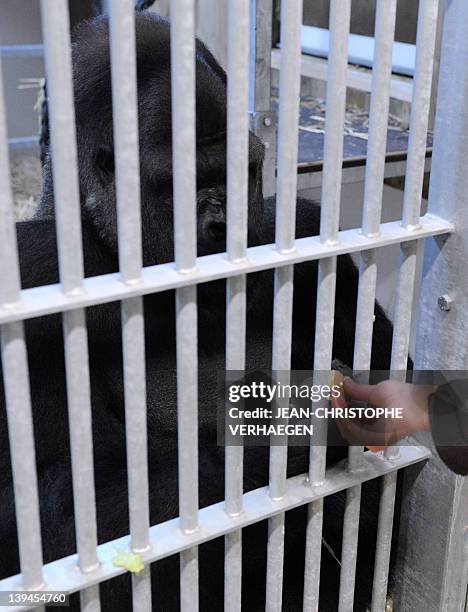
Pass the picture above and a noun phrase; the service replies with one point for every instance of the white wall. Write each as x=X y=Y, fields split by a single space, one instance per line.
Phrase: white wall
x=20 y=24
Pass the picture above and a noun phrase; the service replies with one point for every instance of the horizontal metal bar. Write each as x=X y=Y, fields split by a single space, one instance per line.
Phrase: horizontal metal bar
x=21 y=50
x=401 y=88
x=23 y=142
x=315 y=41
x=49 y=299
x=168 y=538
x=311 y=175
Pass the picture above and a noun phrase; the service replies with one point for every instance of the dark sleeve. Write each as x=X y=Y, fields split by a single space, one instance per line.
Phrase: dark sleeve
x=448 y=411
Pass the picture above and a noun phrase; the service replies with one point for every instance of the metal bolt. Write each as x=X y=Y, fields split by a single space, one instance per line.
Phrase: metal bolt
x=267 y=121
x=445 y=302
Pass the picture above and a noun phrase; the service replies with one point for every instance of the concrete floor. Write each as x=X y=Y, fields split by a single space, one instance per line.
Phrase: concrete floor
x=25 y=168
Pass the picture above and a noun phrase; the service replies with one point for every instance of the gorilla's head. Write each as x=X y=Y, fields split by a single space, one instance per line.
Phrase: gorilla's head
x=93 y=108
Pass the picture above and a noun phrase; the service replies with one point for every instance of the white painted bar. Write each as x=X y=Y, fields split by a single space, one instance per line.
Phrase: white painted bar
x=49 y=299
x=22 y=453
x=127 y=169
x=236 y=303
x=286 y=189
x=185 y=243
x=56 y=31
x=378 y=116
x=340 y=16
x=420 y=108
x=126 y=145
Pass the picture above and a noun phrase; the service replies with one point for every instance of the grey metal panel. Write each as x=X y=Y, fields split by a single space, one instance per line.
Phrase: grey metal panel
x=260 y=87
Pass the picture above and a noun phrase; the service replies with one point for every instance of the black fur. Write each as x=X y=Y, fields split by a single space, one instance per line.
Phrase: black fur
x=37 y=245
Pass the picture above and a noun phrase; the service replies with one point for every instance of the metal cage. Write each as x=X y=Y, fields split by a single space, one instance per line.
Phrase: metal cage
x=432 y=559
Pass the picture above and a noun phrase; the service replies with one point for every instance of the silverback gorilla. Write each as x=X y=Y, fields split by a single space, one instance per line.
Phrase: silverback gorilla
x=38 y=255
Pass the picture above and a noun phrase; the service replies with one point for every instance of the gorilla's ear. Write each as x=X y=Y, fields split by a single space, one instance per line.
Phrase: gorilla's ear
x=105 y=163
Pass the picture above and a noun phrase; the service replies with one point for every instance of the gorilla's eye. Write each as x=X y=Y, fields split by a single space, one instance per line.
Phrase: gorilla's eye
x=105 y=162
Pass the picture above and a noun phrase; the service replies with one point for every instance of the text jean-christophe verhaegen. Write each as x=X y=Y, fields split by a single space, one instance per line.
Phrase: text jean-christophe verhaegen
x=263 y=409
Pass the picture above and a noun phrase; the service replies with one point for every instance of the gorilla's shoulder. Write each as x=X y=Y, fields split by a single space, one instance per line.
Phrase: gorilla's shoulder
x=307 y=219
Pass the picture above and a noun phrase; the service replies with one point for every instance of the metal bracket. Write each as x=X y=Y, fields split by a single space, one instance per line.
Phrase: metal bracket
x=264 y=126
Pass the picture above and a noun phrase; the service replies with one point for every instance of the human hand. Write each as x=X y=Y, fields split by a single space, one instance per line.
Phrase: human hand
x=377 y=434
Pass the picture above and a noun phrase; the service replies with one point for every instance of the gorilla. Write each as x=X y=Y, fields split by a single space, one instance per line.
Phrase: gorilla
x=39 y=266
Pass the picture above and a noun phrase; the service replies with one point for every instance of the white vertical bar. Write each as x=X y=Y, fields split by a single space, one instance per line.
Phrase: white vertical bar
x=288 y=135
x=420 y=108
x=378 y=117
x=81 y=441
x=375 y=167
x=22 y=451
x=288 y=128
x=400 y=345
x=238 y=127
x=16 y=383
x=183 y=132
x=90 y=599
x=185 y=240
x=384 y=542
x=133 y=337
x=56 y=29
x=127 y=168
x=236 y=305
x=187 y=400
x=340 y=16
x=125 y=121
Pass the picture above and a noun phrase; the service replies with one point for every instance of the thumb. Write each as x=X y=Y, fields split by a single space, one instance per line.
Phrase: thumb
x=356 y=390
